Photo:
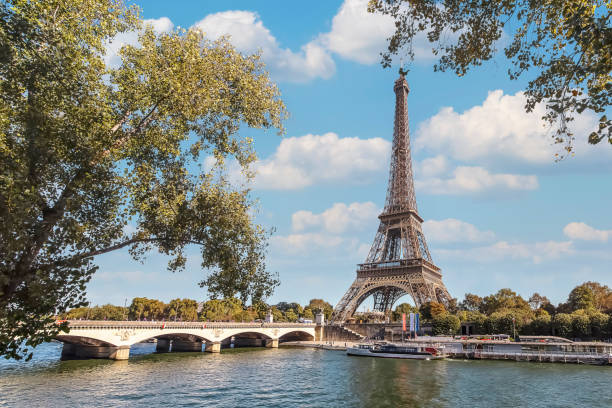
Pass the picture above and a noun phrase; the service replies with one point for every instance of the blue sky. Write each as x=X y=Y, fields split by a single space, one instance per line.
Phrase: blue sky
x=499 y=211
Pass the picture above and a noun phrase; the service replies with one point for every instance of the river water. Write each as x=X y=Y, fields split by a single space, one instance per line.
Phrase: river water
x=294 y=377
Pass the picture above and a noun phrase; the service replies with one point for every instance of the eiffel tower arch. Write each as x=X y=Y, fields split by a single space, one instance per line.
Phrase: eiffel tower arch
x=399 y=262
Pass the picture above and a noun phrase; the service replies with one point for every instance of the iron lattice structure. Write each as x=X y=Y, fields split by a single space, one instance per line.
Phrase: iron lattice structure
x=399 y=261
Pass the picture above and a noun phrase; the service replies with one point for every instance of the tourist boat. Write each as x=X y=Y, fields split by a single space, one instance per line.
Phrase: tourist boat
x=390 y=350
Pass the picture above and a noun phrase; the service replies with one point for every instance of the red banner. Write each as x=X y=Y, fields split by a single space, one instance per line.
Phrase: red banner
x=403 y=321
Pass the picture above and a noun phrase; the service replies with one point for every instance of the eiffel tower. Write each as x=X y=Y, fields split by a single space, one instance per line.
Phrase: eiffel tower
x=399 y=262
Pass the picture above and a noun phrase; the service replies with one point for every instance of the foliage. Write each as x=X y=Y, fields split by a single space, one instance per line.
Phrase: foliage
x=406 y=308
x=581 y=297
x=581 y=324
x=537 y=301
x=291 y=316
x=503 y=299
x=474 y=317
x=562 y=324
x=222 y=310
x=105 y=312
x=564 y=44
x=308 y=315
x=182 y=309
x=602 y=296
x=471 y=302
x=143 y=308
x=86 y=149
x=445 y=324
x=431 y=310
x=599 y=325
x=319 y=305
x=540 y=326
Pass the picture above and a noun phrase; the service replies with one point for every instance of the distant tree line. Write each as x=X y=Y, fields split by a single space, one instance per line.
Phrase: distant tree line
x=231 y=309
x=587 y=314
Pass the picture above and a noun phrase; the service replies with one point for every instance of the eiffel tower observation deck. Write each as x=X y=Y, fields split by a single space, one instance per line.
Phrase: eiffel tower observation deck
x=399 y=261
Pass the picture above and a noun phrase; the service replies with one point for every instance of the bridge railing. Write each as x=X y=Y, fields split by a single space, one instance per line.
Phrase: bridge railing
x=109 y=324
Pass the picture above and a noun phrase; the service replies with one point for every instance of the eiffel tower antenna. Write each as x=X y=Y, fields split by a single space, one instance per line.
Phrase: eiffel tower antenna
x=399 y=261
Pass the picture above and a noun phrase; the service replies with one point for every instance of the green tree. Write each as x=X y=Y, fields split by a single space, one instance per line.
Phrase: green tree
x=291 y=316
x=537 y=301
x=406 y=308
x=599 y=325
x=562 y=324
x=86 y=149
x=319 y=305
x=602 y=295
x=540 y=326
x=222 y=310
x=476 y=318
x=182 y=309
x=137 y=308
x=430 y=310
x=278 y=315
x=581 y=297
x=581 y=324
x=504 y=299
x=565 y=45
x=471 y=302
x=308 y=315
x=445 y=324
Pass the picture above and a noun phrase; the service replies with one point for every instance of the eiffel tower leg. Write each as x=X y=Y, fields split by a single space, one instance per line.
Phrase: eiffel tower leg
x=345 y=308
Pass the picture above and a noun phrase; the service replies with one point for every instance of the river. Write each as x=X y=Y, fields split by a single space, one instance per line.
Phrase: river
x=294 y=377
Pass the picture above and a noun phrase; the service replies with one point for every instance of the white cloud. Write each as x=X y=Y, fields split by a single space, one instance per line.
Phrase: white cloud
x=307 y=243
x=361 y=36
x=499 y=129
x=453 y=230
x=474 y=180
x=112 y=58
x=303 y=161
x=337 y=219
x=248 y=34
x=502 y=250
x=582 y=231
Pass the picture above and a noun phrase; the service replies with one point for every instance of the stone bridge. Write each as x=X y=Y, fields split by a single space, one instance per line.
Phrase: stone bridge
x=112 y=339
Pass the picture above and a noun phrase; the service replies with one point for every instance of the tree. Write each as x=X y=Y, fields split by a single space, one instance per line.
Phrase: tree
x=319 y=305
x=86 y=149
x=503 y=299
x=406 y=308
x=536 y=301
x=581 y=325
x=581 y=297
x=562 y=324
x=308 y=315
x=564 y=44
x=599 y=325
x=602 y=296
x=445 y=324
x=182 y=309
x=291 y=316
x=540 y=326
x=430 y=310
x=471 y=302
x=222 y=310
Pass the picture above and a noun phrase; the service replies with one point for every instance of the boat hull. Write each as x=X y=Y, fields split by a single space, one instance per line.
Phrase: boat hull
x=354 y=351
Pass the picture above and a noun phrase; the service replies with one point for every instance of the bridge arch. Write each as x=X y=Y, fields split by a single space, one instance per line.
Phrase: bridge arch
x=296 y=335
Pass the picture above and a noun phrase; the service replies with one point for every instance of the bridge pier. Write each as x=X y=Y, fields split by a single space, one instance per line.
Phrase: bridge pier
x=272 y=343
x=163 y=346
x=213 y=347
x=186 y=345
x=76 y=351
